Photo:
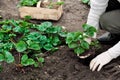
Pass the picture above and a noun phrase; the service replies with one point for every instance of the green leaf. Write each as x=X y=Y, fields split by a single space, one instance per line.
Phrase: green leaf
x=4 y=22
x=48 y=46
x=12 y=35
x=30 y=61
x=54 y=49
x=85 y=1
x=1 y=57
x=44 y=26
x=6 y=38
x=84 y=44
x=13 y=22
x=28 y=2
x=28 y=17
x=1 y=36
x=18 y=29
x=55 y=41
x=60 y=3
x=54 y=29
x=8 y=46
x=34 y=36
x=43 y=39
x=36 y=64
x=33 y=45
x=73 y=45
x=42 y=60
x=51 y=30
x=8 y=57
x=77 y=35
x=91 y=31
x=24 y=58
x=85 y=27
x=58 y=28
x=25 y=24
x=6 y=28
x=79 y=50
x=25 y=64
x=70 y=37
x=25 y=61
x=63 y=34
x=21 y=46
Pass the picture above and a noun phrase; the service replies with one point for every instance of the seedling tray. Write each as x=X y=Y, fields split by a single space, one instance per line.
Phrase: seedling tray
x=41 y=13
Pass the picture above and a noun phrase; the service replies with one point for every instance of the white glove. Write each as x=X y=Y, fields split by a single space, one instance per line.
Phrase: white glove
x=100 y=61
x=105 y=57
x=95 y=35
x=89 y=39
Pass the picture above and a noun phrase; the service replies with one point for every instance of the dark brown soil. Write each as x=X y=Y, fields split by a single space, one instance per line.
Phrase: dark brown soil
x=63 y=64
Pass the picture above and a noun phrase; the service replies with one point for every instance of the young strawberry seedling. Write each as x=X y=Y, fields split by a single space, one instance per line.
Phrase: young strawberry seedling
x=28 y=2
x=77 y=40
x=86 y=2
x=52 y=4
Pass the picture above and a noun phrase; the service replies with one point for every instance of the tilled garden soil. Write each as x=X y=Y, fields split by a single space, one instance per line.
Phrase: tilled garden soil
x=63 y=64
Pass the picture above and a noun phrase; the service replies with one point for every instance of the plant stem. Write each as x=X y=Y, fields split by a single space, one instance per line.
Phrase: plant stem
x=19 y=56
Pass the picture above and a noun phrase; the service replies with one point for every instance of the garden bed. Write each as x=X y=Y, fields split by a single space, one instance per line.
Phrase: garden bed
x=63 y=64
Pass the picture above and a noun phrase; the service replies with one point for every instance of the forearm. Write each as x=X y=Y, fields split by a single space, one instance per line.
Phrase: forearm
x=114 y=52
x=98 y=7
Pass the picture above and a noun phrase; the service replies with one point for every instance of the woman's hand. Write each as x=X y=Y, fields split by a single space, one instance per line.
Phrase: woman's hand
x=100 y=61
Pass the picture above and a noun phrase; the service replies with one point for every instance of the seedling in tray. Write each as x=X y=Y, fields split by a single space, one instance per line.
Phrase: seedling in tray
x=49 y=3
x=52 y=4
x=28 y=2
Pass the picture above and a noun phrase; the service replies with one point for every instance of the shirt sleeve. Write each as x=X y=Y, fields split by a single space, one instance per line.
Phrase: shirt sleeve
x=98 y=7
x=114 y=52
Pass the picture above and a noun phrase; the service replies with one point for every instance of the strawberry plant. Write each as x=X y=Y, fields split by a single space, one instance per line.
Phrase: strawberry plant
x=86 y=1
x=28 y=40
x=28 y=2
x=77 y=40
x=52 y=4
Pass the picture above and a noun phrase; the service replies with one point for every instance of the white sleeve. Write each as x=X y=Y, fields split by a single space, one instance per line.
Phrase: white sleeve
x=114 y=52
x=98 y=7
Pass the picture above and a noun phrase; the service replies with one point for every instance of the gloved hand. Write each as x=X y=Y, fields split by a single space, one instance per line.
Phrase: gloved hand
x=90 y=39
x=105 y=57
x=100 y=61
x=95 y=35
